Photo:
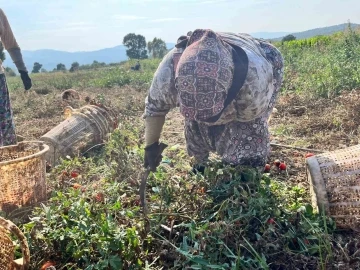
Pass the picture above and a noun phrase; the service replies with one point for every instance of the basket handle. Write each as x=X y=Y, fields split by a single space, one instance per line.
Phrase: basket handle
x=68 y=112
x=24 y=262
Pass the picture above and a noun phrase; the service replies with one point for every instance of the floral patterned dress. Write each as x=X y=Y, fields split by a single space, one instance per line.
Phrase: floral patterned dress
x=7 y=126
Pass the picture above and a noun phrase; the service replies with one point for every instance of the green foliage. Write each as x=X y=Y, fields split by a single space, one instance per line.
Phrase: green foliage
x=230 y=218
x=37 y=67
x=157 y=48
x=74 y=67
x=247 y=221
x=322 y=66
x=136 y=46
x=97 y=64
x=90 y=226
x=318 y=41
x=288 y=38
x=86 y=233
x=103 y=77
x=9 y=72
x=60 y=67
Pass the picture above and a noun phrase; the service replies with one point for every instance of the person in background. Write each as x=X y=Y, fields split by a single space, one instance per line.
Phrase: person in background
x=7 y=126
x=137 y=66
x=226 y=86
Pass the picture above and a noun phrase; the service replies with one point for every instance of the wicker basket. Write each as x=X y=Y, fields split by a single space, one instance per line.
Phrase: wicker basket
x=7 y=251
x=83 y=128
x=22 y=175
x=335 y=185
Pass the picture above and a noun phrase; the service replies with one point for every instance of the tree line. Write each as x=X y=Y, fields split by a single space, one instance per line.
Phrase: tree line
x=37 y=68
x=137 y=46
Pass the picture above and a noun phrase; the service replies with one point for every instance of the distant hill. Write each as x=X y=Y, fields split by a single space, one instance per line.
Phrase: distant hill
x=50 y=58
x=319 y=31
x=269 y=35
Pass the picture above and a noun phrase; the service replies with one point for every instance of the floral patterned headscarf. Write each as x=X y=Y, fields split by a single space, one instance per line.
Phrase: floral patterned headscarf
x=203 y=75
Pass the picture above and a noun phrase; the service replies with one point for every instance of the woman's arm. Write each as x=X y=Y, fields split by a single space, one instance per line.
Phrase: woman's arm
x=162 y=97
x=10 y=43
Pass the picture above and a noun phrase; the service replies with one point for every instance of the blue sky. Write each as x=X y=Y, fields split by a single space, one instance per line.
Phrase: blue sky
x=84 y=25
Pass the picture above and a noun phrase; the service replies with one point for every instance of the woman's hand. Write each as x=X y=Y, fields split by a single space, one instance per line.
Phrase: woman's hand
x=26 y=79
x=153 y=155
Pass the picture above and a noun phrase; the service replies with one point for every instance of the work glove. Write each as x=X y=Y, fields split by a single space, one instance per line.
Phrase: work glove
x=153 y=155
x=26 y=79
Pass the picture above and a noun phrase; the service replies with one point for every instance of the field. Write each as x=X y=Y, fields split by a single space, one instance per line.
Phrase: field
x=232 y=218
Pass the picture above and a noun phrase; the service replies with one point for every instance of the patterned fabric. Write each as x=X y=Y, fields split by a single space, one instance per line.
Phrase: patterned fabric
x=7 y=126
x=203 y=75
x=254 y=96
x=241 y=134
x=251 y=101
x=238 y=143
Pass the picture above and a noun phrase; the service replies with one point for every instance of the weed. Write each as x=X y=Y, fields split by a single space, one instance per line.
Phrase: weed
x=230 y=218
x=284 y=130
x=322 y=66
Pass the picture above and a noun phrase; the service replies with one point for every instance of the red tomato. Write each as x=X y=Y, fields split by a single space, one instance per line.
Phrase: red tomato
x=271 y=221
x=99 y=197
x=46 y=265
x=267 y=168
x=74 y=174
x=282 y=166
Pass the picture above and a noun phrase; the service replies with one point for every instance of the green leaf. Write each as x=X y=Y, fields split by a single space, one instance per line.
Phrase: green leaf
x=314 y=249
x=267 y=179
x=174 y=147
x=205 y=263
x=200 y=261
x=115 y=262
x=116 y=206
x=309 y=209
x=248 y=175
x=196 y=267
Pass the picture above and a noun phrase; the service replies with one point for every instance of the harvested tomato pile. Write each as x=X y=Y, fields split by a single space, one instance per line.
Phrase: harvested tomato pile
x=280 y=165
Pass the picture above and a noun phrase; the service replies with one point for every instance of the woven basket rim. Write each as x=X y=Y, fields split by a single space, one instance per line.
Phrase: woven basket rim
x=37 y=154
x=319 y=185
